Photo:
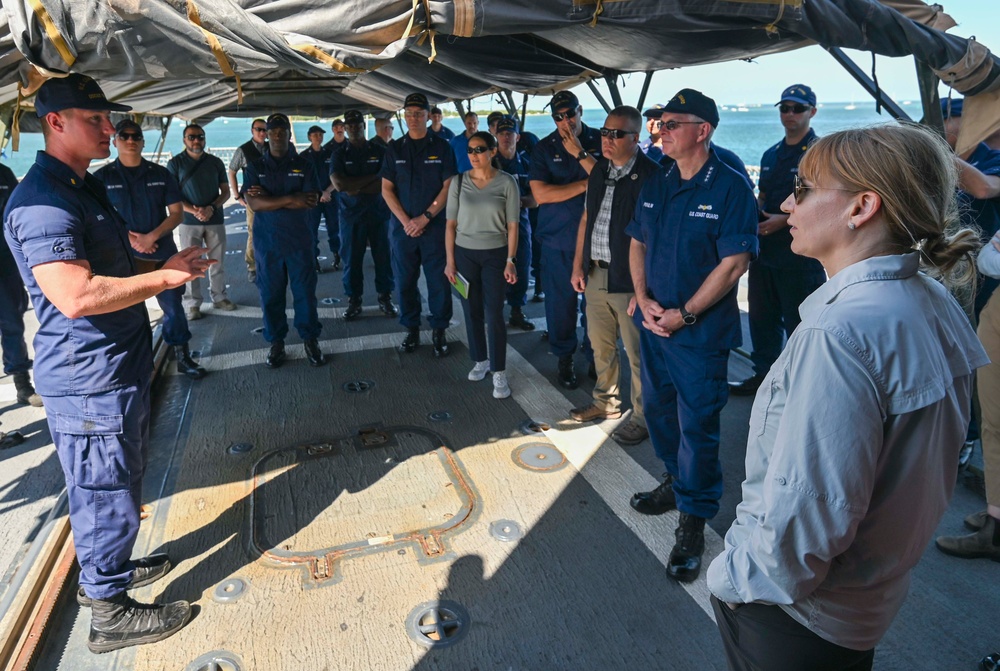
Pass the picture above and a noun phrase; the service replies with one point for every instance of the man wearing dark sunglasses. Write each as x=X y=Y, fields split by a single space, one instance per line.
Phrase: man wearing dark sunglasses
x=779 y=280
x=246 y=153
x=694 y=232
x=560 y=167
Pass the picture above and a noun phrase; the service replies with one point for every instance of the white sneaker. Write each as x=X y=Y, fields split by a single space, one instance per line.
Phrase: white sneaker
x=479 y=371
x=500 y=387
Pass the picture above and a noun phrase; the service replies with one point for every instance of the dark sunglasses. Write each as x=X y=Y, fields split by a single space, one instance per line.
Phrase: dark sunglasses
x=130 y=136
x=617 y=133
x=674 y=125
x=481 y=149
x=195 y=137
x=259 y=129
x=794 y=109
x=801 y=189
x=568 y=114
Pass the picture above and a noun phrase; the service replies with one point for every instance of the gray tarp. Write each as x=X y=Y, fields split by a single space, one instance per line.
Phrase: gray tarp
x=195 y=58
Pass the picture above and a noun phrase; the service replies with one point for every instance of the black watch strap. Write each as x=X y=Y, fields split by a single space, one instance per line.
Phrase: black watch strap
x=688 y=317
x=427 y=213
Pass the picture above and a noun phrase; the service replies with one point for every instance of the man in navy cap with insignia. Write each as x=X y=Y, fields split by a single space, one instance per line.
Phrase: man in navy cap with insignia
x=560 y=167
x=651 y=145
x=417 y=170
x=319 y=155
x=779 y=279
x=354 y=170
x=515 y=163
x=93 y=351
x=694 y=233
x=282 y=187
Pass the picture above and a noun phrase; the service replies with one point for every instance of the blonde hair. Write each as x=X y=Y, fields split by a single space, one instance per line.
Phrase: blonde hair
x=913 y=171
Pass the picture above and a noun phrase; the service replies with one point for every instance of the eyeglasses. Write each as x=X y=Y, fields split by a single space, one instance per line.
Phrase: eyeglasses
x=617 y=133
x=130 y=136
x=568 y=114
x=674 y=125
x=793 y=109
x=800 y=189
x=259 y=129
x=481 y=149
x=195 y=137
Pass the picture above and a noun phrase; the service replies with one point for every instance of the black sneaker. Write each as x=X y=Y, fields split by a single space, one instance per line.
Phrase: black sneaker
x=386 y=306
x=657 y=501
x=147 y=571
x=441 y=347
x=684 y=564
x=747 y=387
x=567 y=376
x=353 y=310
x=276 y=356
x=120 y=622
x=186 y=365
x=313 y=353
x=519 y=321
x=410 y=342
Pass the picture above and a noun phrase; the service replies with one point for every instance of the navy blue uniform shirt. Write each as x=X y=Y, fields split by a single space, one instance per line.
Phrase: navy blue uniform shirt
x=141 y=195
x=8 y=182
x=558 y=223
x=778 y=168
x=283 y=230
x=729 y=157
x=688 y=227
x=651 y=150
x=321 y=161
x=360 y=161
x=445 y=133
x=419 y=169
x=982 y=213
x=518 y=168
x=53 y=215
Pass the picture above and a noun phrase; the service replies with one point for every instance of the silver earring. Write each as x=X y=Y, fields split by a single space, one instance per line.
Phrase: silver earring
x=851 y=226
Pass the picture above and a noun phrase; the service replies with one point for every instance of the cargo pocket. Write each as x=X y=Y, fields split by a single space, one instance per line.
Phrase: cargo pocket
x=99 y=458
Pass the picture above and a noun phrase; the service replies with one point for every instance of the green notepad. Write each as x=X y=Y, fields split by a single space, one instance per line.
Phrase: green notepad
x=461 y=285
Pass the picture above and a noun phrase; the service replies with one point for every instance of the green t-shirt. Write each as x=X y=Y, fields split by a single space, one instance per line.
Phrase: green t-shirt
x=483 y=214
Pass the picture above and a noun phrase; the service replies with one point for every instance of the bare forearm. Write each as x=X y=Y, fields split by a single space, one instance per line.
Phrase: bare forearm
x=556 y=193
x=637 y=264
x=976 y=183
x=392 y=201
x=168 y=224
x=511 y=239
x=718 y=283
x=581 y=235
x=290 y=201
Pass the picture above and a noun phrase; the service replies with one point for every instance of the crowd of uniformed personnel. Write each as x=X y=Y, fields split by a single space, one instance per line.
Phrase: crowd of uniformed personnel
x=654 y=233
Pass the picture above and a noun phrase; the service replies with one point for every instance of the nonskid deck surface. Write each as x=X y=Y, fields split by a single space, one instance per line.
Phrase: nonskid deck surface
x=346 y=517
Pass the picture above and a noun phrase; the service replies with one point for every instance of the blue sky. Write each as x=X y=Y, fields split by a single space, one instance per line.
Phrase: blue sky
x=761 y=81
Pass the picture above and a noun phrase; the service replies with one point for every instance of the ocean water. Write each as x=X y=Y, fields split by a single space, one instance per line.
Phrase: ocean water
x=748 y=133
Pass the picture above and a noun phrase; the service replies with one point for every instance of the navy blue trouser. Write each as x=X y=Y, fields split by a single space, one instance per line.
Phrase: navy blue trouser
x=536 y=250
x=408 y=256
x=516 y=292
x=774 y=295
x=275 y=273
x=683 y=392
x=331 y=212
x=359 y=234
x=484 y=323
x=561 y=300
x=101 y=440
x=13 y=305
x=175 y=324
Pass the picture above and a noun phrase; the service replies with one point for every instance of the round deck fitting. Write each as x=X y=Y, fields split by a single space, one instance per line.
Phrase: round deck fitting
x=437 y=624
x=439 y=416
x=358 y=386
x=217 y=660
x=538 y=457
x=230 y=590
x=329 y=301
x=506 y=530
x=535 y=427
x=239 y=448
x=319 y=448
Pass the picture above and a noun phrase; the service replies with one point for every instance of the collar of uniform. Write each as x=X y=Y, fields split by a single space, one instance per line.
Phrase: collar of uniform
x=706 y=175
x=142 y=167
x=807 y=140
x=275 y=163
x=890 y=267
x=60 y=170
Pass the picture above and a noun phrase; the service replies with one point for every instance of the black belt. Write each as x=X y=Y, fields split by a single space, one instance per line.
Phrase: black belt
x=600 y=264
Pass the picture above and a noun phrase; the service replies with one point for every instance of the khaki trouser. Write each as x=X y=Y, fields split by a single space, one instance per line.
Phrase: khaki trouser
x=212 y=236
x=607 y=317
x=248 y=255
x=988 y=383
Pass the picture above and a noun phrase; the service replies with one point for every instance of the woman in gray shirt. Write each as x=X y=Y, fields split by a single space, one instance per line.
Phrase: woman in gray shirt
x=480 y=241
x=855 y=432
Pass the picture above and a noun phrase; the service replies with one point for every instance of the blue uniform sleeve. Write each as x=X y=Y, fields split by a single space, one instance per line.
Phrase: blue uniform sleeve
x=311 y=182
x=538 y=168
x=389 y=164
x=738 y=225
x=251 y=177
x=643 y=207
x=48 y=231
x=337 y=162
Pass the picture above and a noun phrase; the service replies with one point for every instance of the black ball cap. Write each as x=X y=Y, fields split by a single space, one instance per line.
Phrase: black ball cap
x=127 y=125
x=564 y=100
x=73 y=91
x=278 y=120
x=689 y=101
x=417 y=100
x=354 y=117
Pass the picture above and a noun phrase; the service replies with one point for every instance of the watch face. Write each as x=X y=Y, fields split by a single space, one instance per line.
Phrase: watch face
x=690 y=319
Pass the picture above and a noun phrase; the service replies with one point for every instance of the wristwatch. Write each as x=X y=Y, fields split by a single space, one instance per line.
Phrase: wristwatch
x=582 y=155
x=427 y=213
x=512 y=259
x=688 y=317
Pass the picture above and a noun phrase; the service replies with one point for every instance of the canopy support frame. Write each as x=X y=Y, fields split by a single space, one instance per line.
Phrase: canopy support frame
x=868 y=84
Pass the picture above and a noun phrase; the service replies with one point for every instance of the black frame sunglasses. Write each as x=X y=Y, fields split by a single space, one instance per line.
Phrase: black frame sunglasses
x=617 y=133
x=480 y=149
x=673 y=124
x=797 y=108
x=259 y=129
x=568 y=114
x=126 y=135
x=199 y=136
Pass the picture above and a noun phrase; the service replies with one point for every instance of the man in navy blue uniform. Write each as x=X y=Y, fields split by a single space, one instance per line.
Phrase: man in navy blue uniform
x=560 y=167
x=319 y=155
x=694 y=232
x=355 y=172
x=93 y=350
x=147 y=197
x=415 y=176
x=651 y=145
x=281 y=187
x=328 y=199
x=779 y=279
x=437 y=126
x=13 y=305
x=516 y=163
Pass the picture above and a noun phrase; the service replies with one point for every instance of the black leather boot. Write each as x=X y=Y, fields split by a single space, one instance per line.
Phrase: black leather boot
x=25 y=391
x=353 y=309
x=120 y=622
x=410 y=342
x=276 y=356
x=441 y=347
x=684 y=564
x=147 y=571
x=313 y=353
x=186 y=365
x=386 y=306
x=519 y=321
x=567 y=377
x=657 y=501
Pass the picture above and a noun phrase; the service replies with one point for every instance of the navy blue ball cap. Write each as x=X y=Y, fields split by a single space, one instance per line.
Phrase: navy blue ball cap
x=494 y=117
x=564 y=100
x=507 y=123
x=689 y=101
x=798 y=93
x=278 y=120
x=73 y=91
x=352 y=117
x=653 y=112
x=952 y=107
x=315 y=129
x=337 y=122
x=417 y=100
